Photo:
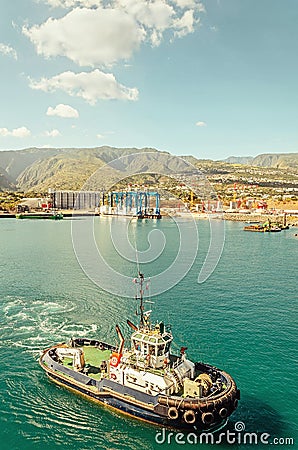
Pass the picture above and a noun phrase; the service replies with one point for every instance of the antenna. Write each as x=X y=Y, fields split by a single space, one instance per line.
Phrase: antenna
x=141 y=278
x=144 y=315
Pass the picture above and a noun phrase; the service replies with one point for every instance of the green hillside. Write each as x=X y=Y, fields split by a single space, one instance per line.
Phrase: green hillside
x=36 y=169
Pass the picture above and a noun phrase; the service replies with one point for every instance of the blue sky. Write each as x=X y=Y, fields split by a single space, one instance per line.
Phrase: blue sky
x=210 y=78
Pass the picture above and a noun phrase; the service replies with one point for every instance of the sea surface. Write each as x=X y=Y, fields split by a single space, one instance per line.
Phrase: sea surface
x=242 y=319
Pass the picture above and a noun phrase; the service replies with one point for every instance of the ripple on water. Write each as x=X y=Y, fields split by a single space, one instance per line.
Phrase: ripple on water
x=46 y=413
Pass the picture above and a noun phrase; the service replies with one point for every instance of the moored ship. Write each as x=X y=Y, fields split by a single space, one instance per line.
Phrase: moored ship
x=52 y=216
x=145 y=380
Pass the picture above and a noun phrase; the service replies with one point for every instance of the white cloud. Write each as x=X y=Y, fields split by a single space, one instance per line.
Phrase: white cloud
x=126 y=3
x=62 y=110
x=72 y=3
x=155 y=14
x=156 y=38
x=88 y=37
x=53 y=133
x=99 y=33
x=191 y=4
x=100 y=136
x=91 y=86
x=201 y=124
x=8 y=51
x=185 y=24
x=16 y=132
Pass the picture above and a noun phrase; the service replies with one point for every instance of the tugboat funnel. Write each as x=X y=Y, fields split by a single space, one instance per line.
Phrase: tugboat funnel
x=121 y=340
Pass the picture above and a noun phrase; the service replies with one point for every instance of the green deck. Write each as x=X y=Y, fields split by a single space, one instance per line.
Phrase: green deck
x=93 y=358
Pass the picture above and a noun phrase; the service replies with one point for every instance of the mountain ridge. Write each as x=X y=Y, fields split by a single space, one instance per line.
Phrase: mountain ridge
x=273 y=160
x=69 y=168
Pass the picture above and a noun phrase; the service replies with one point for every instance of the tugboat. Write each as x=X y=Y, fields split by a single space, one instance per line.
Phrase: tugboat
x=145 y=380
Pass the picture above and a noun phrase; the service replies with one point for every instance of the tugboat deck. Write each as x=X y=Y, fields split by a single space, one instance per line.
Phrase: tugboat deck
x=95 y=356
x=93 y=359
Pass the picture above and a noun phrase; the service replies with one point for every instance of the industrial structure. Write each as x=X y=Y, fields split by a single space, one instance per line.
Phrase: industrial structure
x=78 y=200
x=141 y=204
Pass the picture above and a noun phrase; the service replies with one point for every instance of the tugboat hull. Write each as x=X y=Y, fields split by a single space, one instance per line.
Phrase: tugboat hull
x=137 y=411
x=159 y=409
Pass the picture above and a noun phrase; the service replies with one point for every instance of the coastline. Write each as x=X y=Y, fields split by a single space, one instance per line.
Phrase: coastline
x=242 y=217
x=234 y=217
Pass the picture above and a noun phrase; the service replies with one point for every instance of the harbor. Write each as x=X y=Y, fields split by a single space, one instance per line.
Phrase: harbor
x=49 y=305
x=145 y=203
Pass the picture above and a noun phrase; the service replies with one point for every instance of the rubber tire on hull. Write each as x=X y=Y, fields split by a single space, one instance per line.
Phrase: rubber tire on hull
x=207 y=418
x=173 y=413
x=189 y=416
x=223 y=412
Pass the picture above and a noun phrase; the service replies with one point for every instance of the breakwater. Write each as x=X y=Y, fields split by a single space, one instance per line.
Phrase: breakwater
x=238 y=217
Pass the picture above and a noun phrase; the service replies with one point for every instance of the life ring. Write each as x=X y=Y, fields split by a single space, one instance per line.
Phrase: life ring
x=235 y=403
x=114 y=361
x=189 y=416
x=173 y=413
x=113 y=376
x=207 y=418
x=223 y=412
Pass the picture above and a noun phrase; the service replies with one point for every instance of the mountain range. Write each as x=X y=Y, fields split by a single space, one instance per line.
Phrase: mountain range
x=37 y=169
x=273 y=160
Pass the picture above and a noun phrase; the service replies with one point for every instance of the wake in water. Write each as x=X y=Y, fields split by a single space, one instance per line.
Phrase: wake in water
x=34 y=324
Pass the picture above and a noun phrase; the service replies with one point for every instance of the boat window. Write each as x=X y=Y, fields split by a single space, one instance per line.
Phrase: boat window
x=161 y=350
x=151 y=349
x=137 y=345
x=152 y=340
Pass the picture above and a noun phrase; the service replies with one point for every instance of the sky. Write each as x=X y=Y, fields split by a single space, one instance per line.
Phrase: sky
x=209 y=78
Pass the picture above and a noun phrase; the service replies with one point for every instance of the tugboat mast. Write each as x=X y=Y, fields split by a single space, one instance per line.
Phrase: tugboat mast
x=141 y=281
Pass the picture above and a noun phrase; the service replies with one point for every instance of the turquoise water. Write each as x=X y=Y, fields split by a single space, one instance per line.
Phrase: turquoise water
x=242 y=319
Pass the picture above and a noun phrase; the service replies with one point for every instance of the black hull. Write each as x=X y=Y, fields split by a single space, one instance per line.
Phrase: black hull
x=134 y=410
